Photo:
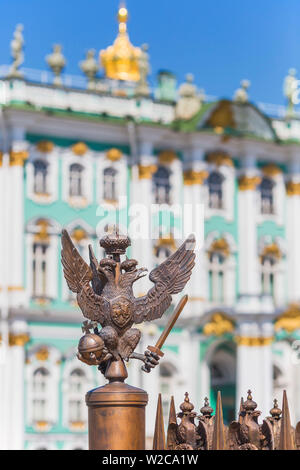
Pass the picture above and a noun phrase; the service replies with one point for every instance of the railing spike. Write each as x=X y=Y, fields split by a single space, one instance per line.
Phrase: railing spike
x=286 y=441
x=218 y=440
x=172 y=425
x=159 y=442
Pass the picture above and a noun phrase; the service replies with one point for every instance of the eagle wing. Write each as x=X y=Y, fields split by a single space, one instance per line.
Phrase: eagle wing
x=169 y=278
x=78 y=275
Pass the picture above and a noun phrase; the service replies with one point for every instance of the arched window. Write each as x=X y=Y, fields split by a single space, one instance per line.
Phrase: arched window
x=39 y=269
x=40 y=394
x=215 y=190
x=40 y=176
x=75 y=180
x=216 y=271
x=267 y=196
x=77 y=382
x=268 y=273
x=162 y=186
x=109 y=184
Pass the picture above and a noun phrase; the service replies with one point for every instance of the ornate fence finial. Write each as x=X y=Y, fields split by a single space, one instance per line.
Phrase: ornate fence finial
x=172 y=426
x=159 y=432
x=90 y=67
x=17 y=53
x=218 y=439
x=56 y=62
x=286 y=440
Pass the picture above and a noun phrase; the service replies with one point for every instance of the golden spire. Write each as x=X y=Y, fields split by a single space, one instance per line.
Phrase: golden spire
x=121 y=60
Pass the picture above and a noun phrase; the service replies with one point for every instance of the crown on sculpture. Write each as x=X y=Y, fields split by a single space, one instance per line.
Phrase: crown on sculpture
x=115 y=243
x=121 y=60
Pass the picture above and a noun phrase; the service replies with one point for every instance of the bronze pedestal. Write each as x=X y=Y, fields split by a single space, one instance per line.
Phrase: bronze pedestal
x=116 y=417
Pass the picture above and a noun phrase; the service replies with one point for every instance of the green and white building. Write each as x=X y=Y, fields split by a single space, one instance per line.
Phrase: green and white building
x=76 y=152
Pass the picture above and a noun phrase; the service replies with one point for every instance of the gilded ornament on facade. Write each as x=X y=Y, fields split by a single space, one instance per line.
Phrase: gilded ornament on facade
x=167 y=156
x=121 y=60
x=249 y=183
x=42 y=354
x=18 y=158
x=219 y=159
x=254 y=341
x=220 y=246
x=271 y=170
x=218 y=325
x=272 y=251
x=289 y=320
x=293 y=189
x=79 y=234
x=114 y=154
x=166 y=241
x=1 y=159
x=42 y=236
x=18 y=339
x=191 y=177
x=45 y=146
x=80 y=148
x=146 y=171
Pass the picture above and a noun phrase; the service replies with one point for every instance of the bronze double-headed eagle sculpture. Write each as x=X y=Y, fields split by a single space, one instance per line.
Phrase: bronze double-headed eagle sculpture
x=105 y=296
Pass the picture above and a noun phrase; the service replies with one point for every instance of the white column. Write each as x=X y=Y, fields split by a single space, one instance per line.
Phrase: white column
x=293 y=233
x=18 y=155
x=18 y=339
x=139 y=210
x=247 y=234
x=193 y=200
x=254 y=363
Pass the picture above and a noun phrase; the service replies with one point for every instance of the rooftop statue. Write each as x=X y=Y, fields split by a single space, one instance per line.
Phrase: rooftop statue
x=144 y=68
x=90 y=68
x=189 y=102
x=105 y=296
x=56 y=62
x=241 y=94
x=291 y=91
x=16 y=46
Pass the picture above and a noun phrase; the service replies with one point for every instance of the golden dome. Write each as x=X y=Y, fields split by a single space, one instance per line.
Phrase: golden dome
x=121 y=60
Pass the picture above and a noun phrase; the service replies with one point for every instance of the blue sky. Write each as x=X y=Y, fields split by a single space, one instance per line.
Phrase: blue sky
x=220 y=41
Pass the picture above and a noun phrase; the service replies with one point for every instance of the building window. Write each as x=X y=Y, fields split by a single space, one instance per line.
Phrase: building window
x=40 y=177
x=39 y=270
x=40 y=390
x=215 y=190
x=77 y=383
x=109 y=184
x=268 y=273
x=267 y=196
x=162 y=186
x=216 y=273
x=76 y=175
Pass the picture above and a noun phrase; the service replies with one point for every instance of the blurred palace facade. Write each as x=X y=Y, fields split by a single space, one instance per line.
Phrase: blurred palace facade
x=69 y=147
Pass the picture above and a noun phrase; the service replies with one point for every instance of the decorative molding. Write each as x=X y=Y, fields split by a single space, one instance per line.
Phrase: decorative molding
x=289 y=320
x=249 y=183
x=254 y=341
x=167 y=241
x=167 y=156
x=80 y=148
x=293 y=189
x=18 y=158
x=45 y=146
x=191 y=177
x=271 y=170
x=219 y=159
x=19 y=339
x=114 y=155
x=218 y=325
x=146 y=171
x=79 y=234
